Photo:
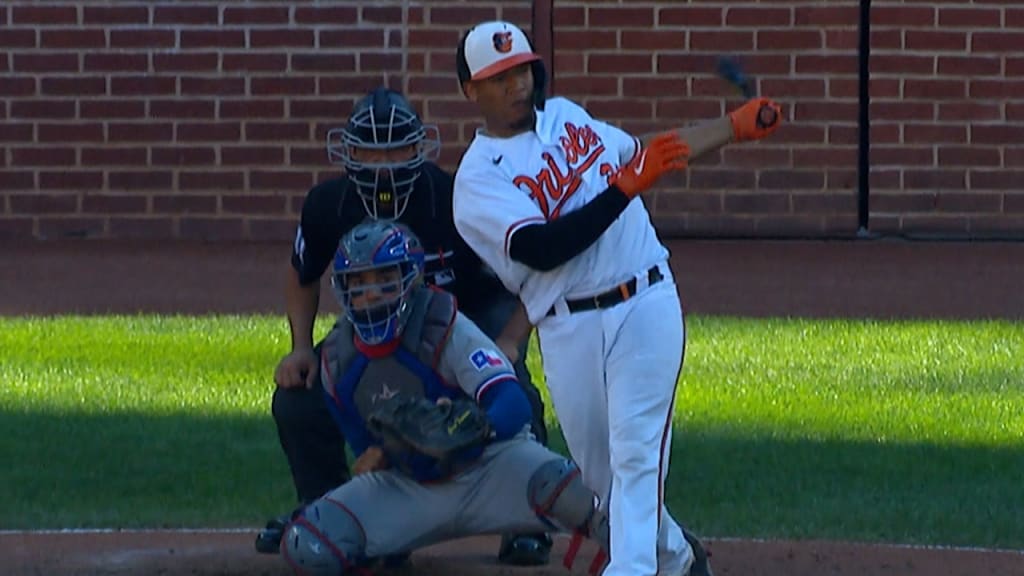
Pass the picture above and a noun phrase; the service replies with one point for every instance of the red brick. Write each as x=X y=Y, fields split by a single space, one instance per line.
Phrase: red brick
x=252 y=155
x=92 y=132
x=280 y=180
x=1013 y=156
x=1015 y=67
x=212 y=39
x=802 y=134
x=167 y=14
x=619 y=63
x=13 y=132
x=997 y=41
x=184 y=204
x=73 y=85
x=183 y=156
x=827 y=111
x=934 y=89
x=459 y=15
x=998 y=89
x=211 y=180
x=725 y=41
x=886 y=39
x=789 y=39
x=902 y=16
x=935 y=40
x=689 y=16
x=387 y=15
x=744 y=203
x=885 y=180
x=18 y=86
x=71 y=180
x=297 y=85
x=282 y=37
x=113 y=204
x=44 y=204
x=973 y=17
x=253 y=204
x=935 y=179
x=821 y=157
x=209 y=132
x=212 y=229
x=968 y=66
x=968 y=156
x=142 y=38
x=803 y=88
x=758 y=17
x=48 y=156
x=379 y=61
x=306 y=156
x=621 y=16
x=261 y=62
x=902 y=110
x=10 y=180
x=820 y=16
x=848 y=134
x=323 y=62
x=124 y=62
x=901 y=155
x=829 y=202
x=649 y=40
x=72 y=38
x=434 y=84
x=213 y=85
x=1015 y=112
x=684 y=63
x=934 y=133
x=115 y=15
x=826 y=64
x=140 y=132
x=260 y=15
x=139 y=85
x=997 y=179
x=459 y=109
x=144 y=180
x=617 y=109
x=968 y=202
x=318 y=109
x=190 y=108
x=954 y=111
x=996 y=134
x=372 y=38
x=885 y=133
x=44 y=109
x=842 y=39
x=712 y=179
x=900 y=64
x=18 y=38
x=16 y=228
x=186 y=62
x=1014 y=18
x=71 y=227
x=148 y=228
x=326 y=15
x=121 y=108
x=46 y=62
x=109 y=156
x=251 y=108
x=790 y=179
x=256 y=131
x=44 y=15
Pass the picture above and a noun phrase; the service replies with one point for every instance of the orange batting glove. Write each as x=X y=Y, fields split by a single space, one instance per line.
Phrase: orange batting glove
x=755 y=120
x=372 y=459
x=664 y=153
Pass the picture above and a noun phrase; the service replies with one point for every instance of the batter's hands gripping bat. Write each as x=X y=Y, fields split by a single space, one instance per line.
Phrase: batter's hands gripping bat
x=730 y=70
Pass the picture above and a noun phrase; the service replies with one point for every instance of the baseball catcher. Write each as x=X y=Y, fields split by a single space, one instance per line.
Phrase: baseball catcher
x=435 y=417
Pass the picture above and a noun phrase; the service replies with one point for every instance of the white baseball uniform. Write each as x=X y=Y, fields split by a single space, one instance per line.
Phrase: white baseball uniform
x=611 y=371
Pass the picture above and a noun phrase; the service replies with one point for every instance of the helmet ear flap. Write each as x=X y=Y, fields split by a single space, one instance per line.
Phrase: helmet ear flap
x=540 y=81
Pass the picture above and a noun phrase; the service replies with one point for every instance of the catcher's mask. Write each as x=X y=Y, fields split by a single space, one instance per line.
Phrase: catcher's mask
x=376 y=268
x=383 y=148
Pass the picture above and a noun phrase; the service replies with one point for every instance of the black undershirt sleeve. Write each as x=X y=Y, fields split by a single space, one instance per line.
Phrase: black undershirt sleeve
x=546 y=246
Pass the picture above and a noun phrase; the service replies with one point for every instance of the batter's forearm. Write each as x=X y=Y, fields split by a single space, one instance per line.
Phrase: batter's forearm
x=516 y=330
x=301 y=305
x=703 y=137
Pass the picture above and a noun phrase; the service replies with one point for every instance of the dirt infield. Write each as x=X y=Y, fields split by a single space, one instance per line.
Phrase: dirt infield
x=881 y=279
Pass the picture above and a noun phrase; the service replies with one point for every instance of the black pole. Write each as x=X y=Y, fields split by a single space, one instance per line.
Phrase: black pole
x=864 y=120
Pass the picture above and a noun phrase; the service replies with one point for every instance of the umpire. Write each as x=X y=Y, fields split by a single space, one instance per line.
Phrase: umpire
x=387 y=153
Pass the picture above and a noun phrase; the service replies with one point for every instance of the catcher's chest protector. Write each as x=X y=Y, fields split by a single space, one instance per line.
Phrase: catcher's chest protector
x=411 y=370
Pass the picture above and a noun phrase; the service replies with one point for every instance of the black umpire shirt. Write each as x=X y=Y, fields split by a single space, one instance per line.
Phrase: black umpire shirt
x=332 y=208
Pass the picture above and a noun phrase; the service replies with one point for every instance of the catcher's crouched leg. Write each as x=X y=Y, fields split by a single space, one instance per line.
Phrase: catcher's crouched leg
x=557 y=493
x=324 y=540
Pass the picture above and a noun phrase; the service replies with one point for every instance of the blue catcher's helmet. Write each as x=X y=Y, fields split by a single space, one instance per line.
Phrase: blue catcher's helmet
x=376 y=268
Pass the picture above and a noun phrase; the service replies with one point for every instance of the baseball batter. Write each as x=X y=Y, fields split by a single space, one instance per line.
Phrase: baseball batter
x=547 y=196
x=404 y=344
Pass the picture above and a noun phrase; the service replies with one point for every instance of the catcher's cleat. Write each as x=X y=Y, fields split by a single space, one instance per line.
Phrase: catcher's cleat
x=268 y=540
x=701 y=565
x=525 y=549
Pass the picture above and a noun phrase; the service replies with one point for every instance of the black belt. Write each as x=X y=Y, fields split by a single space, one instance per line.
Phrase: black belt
x=616 y=295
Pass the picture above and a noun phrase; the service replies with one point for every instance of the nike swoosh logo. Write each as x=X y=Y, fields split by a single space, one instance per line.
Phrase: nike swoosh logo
x=497 y=160
x=640 y=165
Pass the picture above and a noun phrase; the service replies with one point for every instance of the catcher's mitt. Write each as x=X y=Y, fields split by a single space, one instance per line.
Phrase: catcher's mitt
x=409 y=424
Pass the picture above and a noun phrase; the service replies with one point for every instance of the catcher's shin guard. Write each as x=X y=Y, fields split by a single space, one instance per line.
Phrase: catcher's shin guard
x=325 y=540
x=557 y=494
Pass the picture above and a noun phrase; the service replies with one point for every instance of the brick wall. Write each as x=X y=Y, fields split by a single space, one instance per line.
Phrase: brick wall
x=207 y=119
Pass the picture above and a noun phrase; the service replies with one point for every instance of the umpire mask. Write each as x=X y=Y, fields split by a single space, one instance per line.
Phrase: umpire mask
x=376 y=268
x=383 y=147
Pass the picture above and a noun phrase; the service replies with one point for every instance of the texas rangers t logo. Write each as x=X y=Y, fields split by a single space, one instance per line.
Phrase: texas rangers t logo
x=482 y=358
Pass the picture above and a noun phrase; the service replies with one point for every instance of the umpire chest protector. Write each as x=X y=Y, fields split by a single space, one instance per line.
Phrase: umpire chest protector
x=358 y=378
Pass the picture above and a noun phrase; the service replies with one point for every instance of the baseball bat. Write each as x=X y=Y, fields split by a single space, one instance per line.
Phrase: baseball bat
x=730 y=70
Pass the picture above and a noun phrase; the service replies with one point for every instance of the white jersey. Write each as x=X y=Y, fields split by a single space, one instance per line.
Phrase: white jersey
x=504 y=184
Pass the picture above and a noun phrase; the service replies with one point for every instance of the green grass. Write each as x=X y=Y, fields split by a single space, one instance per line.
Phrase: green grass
x=867 y=430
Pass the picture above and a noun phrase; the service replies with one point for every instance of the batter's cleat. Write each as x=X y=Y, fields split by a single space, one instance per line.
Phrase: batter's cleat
x=268 y=540
x=701 y=565
x=525 y=549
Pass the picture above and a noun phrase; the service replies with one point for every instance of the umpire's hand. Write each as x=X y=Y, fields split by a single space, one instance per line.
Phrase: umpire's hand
x=298 y=368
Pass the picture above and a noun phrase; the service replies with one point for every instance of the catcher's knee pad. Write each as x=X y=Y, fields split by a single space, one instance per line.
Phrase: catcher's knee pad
x=557 y=493
x=324 y=540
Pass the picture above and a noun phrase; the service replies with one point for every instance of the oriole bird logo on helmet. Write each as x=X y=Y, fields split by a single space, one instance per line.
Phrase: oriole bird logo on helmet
x=502 y=41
